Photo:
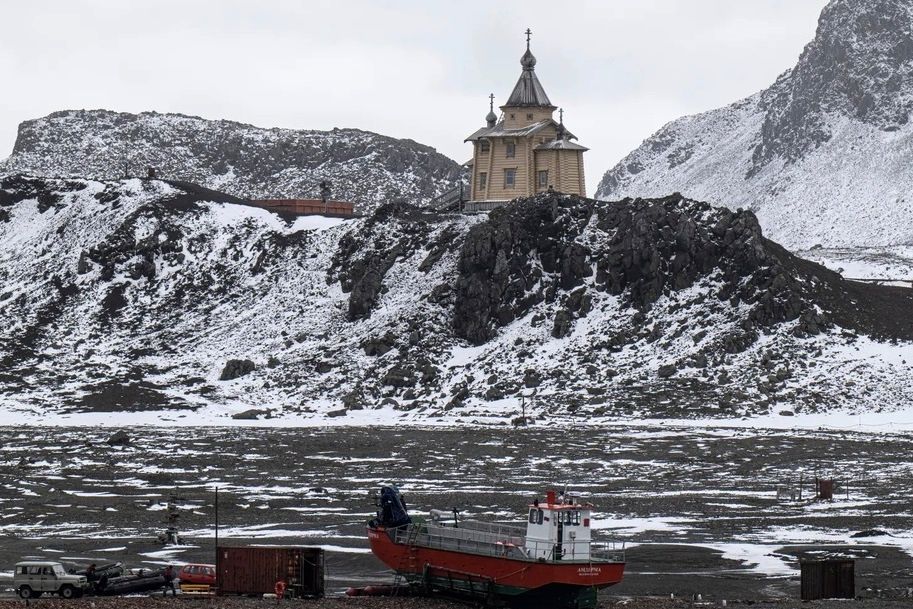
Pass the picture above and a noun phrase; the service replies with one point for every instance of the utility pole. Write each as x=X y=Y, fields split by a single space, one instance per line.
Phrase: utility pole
x=217 y=525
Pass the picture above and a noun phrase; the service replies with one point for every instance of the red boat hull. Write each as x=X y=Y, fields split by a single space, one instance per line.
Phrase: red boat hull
x=505 y=576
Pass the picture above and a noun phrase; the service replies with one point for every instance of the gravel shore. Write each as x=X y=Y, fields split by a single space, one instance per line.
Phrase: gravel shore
x=429 y=603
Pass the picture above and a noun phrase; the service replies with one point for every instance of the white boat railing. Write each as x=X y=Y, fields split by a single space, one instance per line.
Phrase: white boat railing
x=492 y=539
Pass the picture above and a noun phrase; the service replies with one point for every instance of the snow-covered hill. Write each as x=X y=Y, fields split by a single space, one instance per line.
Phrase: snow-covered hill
x=243 y=160
x=822 y=157
x=134 y=296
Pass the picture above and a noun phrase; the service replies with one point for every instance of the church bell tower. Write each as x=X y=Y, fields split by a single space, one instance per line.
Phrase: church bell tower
x=523 y=151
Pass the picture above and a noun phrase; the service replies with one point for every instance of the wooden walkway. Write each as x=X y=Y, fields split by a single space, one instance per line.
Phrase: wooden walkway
x=308 y=207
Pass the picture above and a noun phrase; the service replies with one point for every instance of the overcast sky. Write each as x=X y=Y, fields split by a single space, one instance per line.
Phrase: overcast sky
x=411 y=69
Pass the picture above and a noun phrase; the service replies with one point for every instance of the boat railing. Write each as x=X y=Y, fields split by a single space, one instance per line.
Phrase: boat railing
x=492 y=539
x=577 y=550
x=608 y=551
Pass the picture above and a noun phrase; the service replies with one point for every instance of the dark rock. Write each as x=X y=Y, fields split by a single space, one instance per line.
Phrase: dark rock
x=870 y=533
x=251 y=415
x=236 y=368
x=83 y=266
x=354 y=399
x=563 y=324
x=531 y=378
x=366 y=288
x=493 y=393
x=379 y=345
x=337 y=413
x=666 y=371
x=119 y=438
x=398 y=376
x=440 y=294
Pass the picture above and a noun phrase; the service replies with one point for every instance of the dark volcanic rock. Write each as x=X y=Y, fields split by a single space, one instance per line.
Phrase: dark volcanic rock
x=236 y=368
x=527 y=252
x=524 y=244
x=563 y=324
x=119 y=438
x=251 y=415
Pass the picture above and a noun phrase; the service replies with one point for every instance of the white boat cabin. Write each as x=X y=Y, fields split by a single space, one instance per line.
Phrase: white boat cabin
x=558 y=529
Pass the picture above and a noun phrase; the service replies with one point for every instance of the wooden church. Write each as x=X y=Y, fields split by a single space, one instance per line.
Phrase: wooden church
x=523 y=151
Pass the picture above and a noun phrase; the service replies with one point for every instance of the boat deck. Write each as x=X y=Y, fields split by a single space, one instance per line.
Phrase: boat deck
x=491 y=539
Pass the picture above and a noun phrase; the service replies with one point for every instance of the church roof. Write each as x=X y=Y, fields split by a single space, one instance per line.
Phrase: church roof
x=500 y=131
x=561 y=145
x=528 y=92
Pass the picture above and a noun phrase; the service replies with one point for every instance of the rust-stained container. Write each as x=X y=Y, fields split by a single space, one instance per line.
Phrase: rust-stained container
x=825 y=489
x=833 y=578
x=255 y=570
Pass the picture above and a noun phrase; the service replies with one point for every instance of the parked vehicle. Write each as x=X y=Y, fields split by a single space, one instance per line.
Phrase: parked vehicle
x=35 y=577
x=198 y=574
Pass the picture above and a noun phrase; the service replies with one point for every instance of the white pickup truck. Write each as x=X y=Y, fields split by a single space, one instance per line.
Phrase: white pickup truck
x=33 y=578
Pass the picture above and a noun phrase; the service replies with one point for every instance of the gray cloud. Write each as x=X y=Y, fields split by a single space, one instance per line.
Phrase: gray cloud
x=421 y=70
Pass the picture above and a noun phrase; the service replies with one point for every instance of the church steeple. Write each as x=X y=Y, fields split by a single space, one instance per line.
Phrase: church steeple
x=491 y=118
x=528 y=92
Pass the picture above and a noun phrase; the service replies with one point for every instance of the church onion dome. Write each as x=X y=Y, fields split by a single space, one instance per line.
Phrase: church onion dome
x=491 y=118
x=528 y=61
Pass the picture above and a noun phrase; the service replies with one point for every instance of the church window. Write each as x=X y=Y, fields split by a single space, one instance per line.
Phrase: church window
x=484 y=146
x=483 y=179
x=543 y=178
x=512 y=115
x=529 y=116
x=510 y=177
x=511 y=150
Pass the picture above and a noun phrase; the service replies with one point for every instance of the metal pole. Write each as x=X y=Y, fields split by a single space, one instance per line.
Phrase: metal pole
x=217 y=525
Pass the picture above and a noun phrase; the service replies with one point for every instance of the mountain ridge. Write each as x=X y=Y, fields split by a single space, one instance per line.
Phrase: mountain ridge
x=820 y=155
x=240 y=159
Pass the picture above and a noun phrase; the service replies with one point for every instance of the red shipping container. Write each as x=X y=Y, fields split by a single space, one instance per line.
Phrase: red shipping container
x=255 y=570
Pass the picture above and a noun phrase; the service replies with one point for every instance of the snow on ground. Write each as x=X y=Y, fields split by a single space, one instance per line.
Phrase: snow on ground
x=893 y=263
x=232 y=282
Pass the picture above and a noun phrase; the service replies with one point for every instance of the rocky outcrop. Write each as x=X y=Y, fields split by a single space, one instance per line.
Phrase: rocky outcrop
x=533 y=252
x=122 y=296
x=119 y=438
x=236 y=368
x=246 y=161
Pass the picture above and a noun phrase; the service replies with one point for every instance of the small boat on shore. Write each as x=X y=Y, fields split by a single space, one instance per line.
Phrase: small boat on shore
x=552 y=563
